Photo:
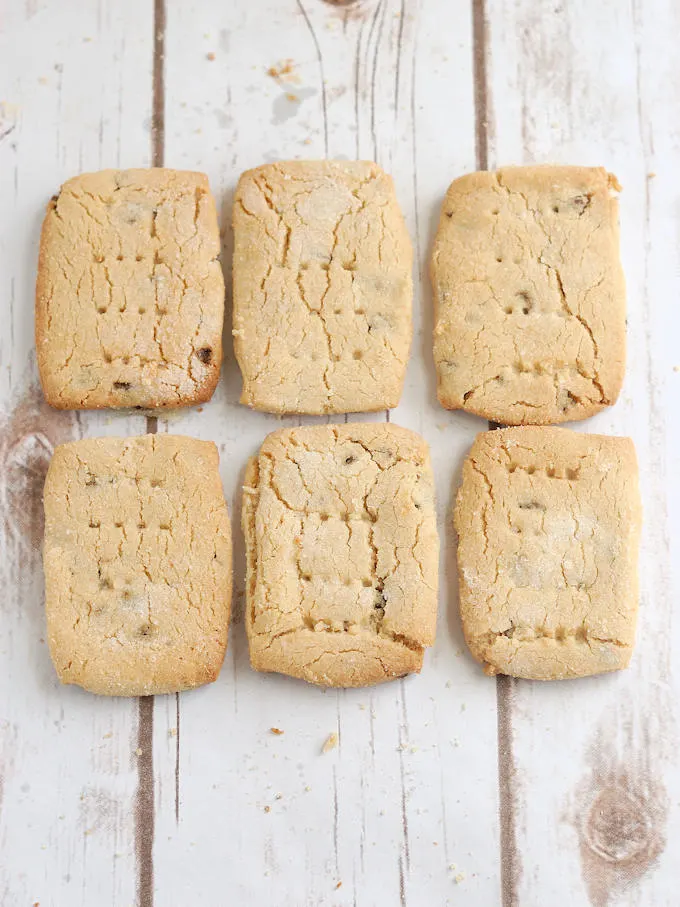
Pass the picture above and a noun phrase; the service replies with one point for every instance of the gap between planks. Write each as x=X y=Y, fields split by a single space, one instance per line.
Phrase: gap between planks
x=505 y=686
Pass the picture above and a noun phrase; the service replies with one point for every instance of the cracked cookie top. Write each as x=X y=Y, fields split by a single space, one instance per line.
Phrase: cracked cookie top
x=529 y=295
x=322 y=288
x=137 y=564
x=548 y=525
x=130 y=293
x=342 y=553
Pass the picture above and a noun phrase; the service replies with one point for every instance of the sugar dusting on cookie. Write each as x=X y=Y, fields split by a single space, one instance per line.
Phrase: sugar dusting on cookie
x=28 y=436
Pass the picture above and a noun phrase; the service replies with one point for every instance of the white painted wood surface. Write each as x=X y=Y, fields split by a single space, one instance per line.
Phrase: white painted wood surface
x=447 y=788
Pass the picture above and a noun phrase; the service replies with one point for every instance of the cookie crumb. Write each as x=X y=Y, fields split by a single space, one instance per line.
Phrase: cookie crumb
x=459 y=878
x=339 y=885
x=650 y=176
x=106 y=736
x=267 y=809
x=139 y=751
x=276 y=730
x=210 y=56
x=330 y=744
x=172 y=732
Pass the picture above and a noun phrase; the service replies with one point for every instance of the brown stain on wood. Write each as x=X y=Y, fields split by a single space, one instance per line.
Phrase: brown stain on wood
x=621 y=810
x=144 y=805
x=511 y=867
x=158 y=86
x=480 y=44
x=28 y=437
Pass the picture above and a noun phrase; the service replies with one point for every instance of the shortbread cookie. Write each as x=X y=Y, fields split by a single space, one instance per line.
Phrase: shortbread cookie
x=530 y=323
x=322 y=288
x=548 y=525
x=130 y=294
x=137 y=564
x=342 y=553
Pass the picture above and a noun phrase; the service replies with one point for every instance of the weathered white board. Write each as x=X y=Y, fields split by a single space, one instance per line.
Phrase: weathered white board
x=447 y=788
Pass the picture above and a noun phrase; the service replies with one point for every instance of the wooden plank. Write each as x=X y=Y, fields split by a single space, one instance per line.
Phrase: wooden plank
x=411 y=787
x=593 y=779
x=73 y=99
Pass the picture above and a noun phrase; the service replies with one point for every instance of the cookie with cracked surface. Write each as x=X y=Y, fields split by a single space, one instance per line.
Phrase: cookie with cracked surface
x=342 y=553
x=137 y=562
x=530 y=320
x=130 y=292
x=548 y=524
x=322 y=288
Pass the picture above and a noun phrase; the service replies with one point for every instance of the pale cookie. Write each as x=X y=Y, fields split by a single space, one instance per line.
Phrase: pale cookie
x=548 y=525
x=130 y=294
x=137 y=564
x=530 y=311
x=342 y=553
x=322 y=288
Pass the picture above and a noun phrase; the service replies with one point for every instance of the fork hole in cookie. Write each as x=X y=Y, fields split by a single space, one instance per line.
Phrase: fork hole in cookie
x=139 y=258
x=164 y=527
x=349 y=266
x=119 y=257
x=508 y=310
x=367 y=583
x=306 y=578
x=499 y=258
x=323 y=517
x=142 y=310
x=118 y=525
x=360 y=311
x=108 y=357
x=358 y=354
x=95 y=524
x=102 y=310
x=550 y=472
x=556 y=209
x=495 y=212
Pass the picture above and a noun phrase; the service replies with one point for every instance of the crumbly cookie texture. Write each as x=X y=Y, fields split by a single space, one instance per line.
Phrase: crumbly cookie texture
x=130 y=293
x=530 y=319
x=548 y=525
x=137 y=564
x=322 y=288
x=342 y=553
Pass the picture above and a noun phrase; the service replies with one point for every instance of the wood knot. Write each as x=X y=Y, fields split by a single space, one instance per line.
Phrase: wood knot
x=619 y=827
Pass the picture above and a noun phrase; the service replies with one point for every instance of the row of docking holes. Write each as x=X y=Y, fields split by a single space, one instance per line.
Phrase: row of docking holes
x=118 y=524
x=570 y=473
x=366 y=582
x=204 y=355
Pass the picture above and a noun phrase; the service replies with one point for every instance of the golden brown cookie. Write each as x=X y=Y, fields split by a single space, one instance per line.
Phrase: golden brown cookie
x=130 y=293
x=342 y=552
x=137 y=564
x=530 y=323
x=548 y=525
x=322 y=288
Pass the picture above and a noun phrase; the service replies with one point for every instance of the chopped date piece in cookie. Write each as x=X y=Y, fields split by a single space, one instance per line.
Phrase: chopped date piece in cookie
x=342 y=554
x=530 y=321
x=130 y=294
x=137 y=560
x=322 y=288
x=548 y=524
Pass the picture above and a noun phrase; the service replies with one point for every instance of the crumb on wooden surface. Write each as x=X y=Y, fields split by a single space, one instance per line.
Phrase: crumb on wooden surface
x=276 y=730
x=330 y=743
x=210 y=56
